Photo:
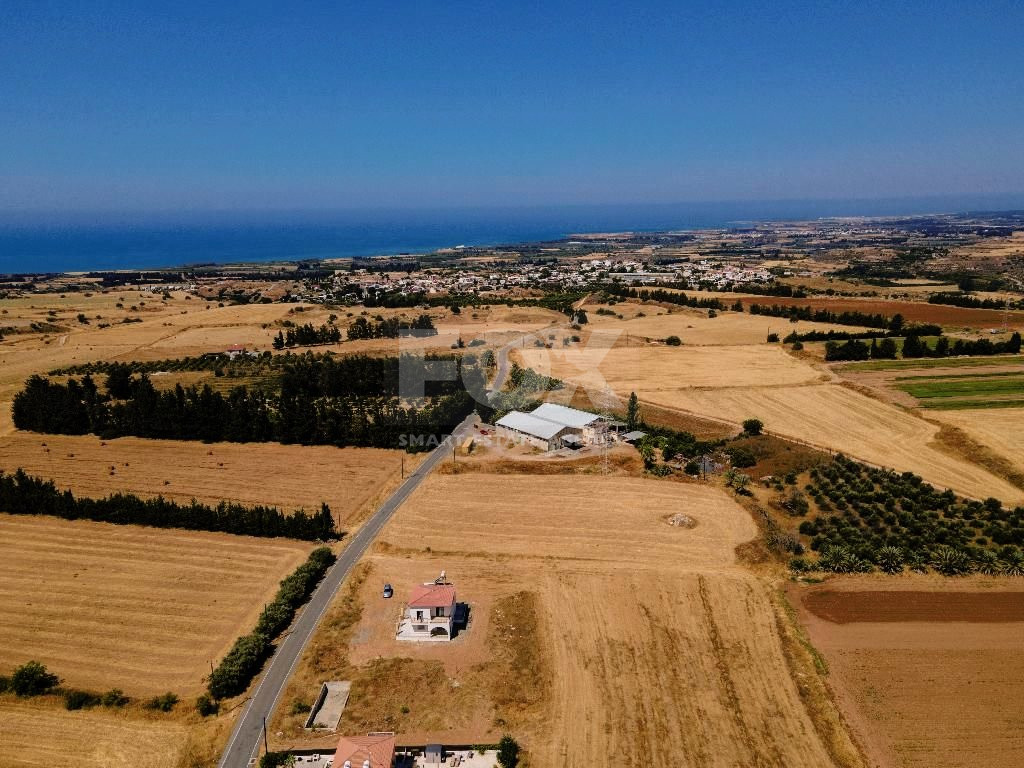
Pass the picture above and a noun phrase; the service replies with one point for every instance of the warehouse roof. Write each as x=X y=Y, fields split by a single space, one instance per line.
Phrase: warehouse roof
x=561 y=414
x=530 y=425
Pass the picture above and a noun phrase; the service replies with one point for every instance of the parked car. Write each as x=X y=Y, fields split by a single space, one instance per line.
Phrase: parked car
x=388 y=591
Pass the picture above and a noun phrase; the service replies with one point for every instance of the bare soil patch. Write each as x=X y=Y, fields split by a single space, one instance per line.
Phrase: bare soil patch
x=977 y=607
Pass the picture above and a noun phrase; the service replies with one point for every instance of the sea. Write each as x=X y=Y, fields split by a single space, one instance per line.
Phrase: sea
x=48 y=243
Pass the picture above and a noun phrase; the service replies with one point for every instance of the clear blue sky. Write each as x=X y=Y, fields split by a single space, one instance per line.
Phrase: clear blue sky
x=122 y=106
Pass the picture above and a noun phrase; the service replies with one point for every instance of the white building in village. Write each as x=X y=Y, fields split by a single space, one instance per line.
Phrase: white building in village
x=551 y=426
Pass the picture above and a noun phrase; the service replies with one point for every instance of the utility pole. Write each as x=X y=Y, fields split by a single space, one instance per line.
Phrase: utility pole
x=266 y=747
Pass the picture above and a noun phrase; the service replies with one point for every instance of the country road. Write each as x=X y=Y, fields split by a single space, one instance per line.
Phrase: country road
x=245 y=740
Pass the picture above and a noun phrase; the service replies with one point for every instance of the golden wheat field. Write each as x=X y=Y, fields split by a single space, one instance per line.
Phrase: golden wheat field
x=650 y=370
x=1001 y=429
x=142 y=609
x=39 y=735
x=349 y=480
x=694 y=327
x=835 y=417
x=650 y=645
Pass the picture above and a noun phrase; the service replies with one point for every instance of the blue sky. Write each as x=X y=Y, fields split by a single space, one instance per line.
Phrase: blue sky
x=168 y=106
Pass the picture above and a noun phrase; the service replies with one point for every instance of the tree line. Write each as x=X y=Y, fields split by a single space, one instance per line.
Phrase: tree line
x=246 y=657
x=916 y=347
x=825 y=316
x=22 y=494
x=667 y=297
x=343 y=402
x=307 y=335
x=972 y=302
x=389 y=328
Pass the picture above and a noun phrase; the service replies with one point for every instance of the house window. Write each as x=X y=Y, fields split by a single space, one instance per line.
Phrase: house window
x=419 y=615
x=440 y=612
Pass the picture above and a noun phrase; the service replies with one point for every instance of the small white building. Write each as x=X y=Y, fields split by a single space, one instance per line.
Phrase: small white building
x=429 y=613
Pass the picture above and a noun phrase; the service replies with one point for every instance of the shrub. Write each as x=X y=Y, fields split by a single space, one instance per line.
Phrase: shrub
x=753 y=426
x=32 y=679
x=741 y=457
x=673 y=341
x=164 y=703
x=75 y=699
x=299 y=707
x=276 y=759
x=206 y=706
x=114 y=698
x=5 y=684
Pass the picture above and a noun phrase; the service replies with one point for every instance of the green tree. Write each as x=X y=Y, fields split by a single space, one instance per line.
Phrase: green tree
x=508 y=752
x=33 y=679
x=753 y=426
x=632 y=412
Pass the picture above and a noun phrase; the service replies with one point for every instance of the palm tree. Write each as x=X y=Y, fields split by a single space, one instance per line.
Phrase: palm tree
x=890 y=559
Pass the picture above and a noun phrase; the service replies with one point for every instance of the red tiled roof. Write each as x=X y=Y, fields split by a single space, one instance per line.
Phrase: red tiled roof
x=432 y=596
x=378 y=748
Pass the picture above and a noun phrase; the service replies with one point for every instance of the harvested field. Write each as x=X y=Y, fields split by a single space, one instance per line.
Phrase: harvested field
x=645 y=643
x=912 y=311
x=653 y=370
x=838 y=418
x=694 y=327
x=1002 y=431
x=925 y=679
x=350 y=480
x=141 y=609
x=38 y=734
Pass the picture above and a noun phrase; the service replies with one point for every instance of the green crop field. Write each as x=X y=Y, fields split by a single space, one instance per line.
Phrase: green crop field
x=929 y=362
x=953 y=404
x=965 y=387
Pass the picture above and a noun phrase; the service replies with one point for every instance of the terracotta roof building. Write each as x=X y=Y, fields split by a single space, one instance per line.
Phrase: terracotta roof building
x=378 y=749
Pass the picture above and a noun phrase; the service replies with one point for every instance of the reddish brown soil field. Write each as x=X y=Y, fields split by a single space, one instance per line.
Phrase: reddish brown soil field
x=928 y=671
x=980 y=607
x=913 y=311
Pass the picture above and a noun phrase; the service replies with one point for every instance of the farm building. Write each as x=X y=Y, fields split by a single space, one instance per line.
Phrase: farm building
x=376 y=750
x=430 y=612
x=519 y=427
x=551 y=426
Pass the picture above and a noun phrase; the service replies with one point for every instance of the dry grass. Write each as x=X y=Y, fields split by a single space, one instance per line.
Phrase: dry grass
x=41 y=734
x=350 y=480
x=695 y=328
x=1000 y=432
x=141 y=609
x=837 y=418
x=653 y=370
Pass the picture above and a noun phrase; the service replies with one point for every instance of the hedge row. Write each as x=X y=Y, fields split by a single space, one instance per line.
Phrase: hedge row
x=245 y=659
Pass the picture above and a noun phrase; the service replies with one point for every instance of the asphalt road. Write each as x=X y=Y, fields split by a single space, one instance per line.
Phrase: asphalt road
x=246 y=738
